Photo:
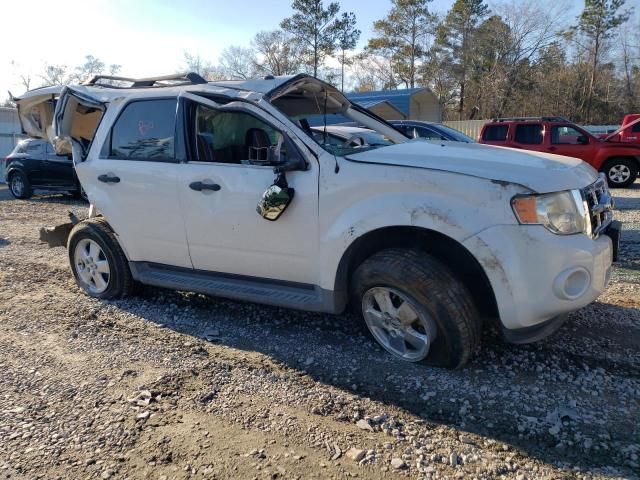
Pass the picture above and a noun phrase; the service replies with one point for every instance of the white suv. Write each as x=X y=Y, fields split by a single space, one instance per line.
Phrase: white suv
x=192 y=188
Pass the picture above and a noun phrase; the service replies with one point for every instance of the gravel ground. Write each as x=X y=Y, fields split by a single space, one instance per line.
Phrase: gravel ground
x=179 y=385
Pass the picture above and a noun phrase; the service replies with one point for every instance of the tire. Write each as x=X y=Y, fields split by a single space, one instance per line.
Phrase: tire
x=97 y=261
x=19 y=186
x=620 y=172
x=446 y=318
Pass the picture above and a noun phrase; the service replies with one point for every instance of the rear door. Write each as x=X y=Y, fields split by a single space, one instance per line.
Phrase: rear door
x=528 y=136
x=59 y=168
x=34 y=160
x=130 y=175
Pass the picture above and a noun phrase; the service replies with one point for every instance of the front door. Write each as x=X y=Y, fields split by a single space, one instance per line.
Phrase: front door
x=230 y=154
x=568 y=140
x=528 y=136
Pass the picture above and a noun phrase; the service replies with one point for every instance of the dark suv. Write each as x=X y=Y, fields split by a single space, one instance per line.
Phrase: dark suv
x=34 y=165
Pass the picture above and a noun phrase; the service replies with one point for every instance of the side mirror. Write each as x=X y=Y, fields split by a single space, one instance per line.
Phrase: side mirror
x=275 y=199
x=582 y=140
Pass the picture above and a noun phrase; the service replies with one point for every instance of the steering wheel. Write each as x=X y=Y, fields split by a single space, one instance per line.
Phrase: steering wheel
x=357 y=140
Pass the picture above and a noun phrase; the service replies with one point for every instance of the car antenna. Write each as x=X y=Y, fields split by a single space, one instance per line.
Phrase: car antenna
x=324 y=139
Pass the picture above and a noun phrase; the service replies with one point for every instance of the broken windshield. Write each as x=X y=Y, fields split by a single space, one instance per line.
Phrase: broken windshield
x=312 y=104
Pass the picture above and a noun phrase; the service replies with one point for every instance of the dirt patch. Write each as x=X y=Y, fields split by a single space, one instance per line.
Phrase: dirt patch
x=133 y=388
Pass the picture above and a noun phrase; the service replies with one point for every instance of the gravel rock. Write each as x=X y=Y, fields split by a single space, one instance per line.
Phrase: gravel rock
x=355 y=454
x=90 y=387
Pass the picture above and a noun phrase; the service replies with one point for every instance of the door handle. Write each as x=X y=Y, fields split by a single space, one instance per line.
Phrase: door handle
x=109 y=178
x=199 y=186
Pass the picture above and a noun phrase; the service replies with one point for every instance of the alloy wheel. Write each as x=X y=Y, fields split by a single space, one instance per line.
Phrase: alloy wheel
x=619 y=173
x=92 y=266
x=17 y=185
x=398 y=323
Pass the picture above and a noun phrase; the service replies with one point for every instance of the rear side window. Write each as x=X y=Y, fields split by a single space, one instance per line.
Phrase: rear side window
x=144 y=130
x=495 y=133
x=20 y=148
x=530 y=134
x=636 y=128
x=35 y=148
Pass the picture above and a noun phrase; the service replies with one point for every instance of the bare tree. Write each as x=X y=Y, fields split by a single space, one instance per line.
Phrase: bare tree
x=56 y=75
x=532 y=27
x=238 y=63
x=629 y=57
x=597 y=24
x=208 y=71
x=277 y=53
x=374 y=72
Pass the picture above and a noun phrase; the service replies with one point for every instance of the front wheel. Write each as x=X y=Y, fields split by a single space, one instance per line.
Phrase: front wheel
x=416 y=309
x=98 y=263
x=19 y=186
x=620 y=172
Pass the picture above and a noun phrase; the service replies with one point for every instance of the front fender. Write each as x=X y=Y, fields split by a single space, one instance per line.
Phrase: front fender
x=458 y=207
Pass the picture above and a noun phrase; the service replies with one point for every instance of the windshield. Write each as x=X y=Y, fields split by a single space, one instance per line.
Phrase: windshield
x=312 y=104
x=342 y=141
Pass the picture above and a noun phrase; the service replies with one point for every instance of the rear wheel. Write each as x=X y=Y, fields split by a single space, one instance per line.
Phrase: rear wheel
x=20 y=186
x=416 y=309
x=620 y=172
x=98 y=263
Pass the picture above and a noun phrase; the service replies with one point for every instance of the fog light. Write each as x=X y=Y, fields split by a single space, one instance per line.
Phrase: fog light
x=572 y=283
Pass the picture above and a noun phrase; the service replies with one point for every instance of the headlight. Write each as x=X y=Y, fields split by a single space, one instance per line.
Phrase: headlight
x=563 y=213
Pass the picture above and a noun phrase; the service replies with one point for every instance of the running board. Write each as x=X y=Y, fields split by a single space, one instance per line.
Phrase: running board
x=236 y=287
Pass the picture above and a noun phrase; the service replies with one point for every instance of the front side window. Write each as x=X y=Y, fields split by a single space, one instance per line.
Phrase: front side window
x=565 y=135
x=636 y=128
x=529 y=134
x=145 y=130
x=495 y=133
x=234 y=137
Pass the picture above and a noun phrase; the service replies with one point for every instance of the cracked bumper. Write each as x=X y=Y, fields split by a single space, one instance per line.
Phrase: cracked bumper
x=538 y=276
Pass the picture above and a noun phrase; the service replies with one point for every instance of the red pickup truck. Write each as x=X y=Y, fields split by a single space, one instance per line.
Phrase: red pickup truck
x=629 y=132
x=619 y=160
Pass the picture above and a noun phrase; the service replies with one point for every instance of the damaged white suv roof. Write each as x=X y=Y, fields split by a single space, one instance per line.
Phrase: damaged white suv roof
x=223 y=188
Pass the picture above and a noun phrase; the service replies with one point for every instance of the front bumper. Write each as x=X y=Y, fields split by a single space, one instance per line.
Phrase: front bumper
x=538 y=276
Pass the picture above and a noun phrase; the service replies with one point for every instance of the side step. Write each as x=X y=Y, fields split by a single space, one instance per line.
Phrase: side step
x=236 y=287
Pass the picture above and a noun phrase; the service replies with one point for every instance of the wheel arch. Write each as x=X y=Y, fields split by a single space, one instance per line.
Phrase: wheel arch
x=626 y=156
x=444 y=248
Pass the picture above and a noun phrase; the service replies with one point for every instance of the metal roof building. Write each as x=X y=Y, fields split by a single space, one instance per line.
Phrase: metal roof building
x=10 y=132
x=412 y=103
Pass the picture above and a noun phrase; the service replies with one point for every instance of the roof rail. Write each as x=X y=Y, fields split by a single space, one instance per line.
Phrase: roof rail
x=531 y=119
x=177 y=79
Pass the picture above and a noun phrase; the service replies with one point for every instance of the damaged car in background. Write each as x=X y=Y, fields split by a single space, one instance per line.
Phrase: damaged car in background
x=224 y=188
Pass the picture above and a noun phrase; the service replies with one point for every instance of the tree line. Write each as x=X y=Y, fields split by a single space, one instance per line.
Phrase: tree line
x=518 y=58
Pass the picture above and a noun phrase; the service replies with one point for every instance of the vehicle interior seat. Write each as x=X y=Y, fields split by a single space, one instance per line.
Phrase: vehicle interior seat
x=258 y=145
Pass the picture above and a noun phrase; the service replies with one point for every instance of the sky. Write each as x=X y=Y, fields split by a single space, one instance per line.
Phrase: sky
x=146 y=37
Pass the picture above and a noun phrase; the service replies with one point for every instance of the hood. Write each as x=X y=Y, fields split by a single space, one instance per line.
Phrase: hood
x=622 y=128
x=539 y=172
